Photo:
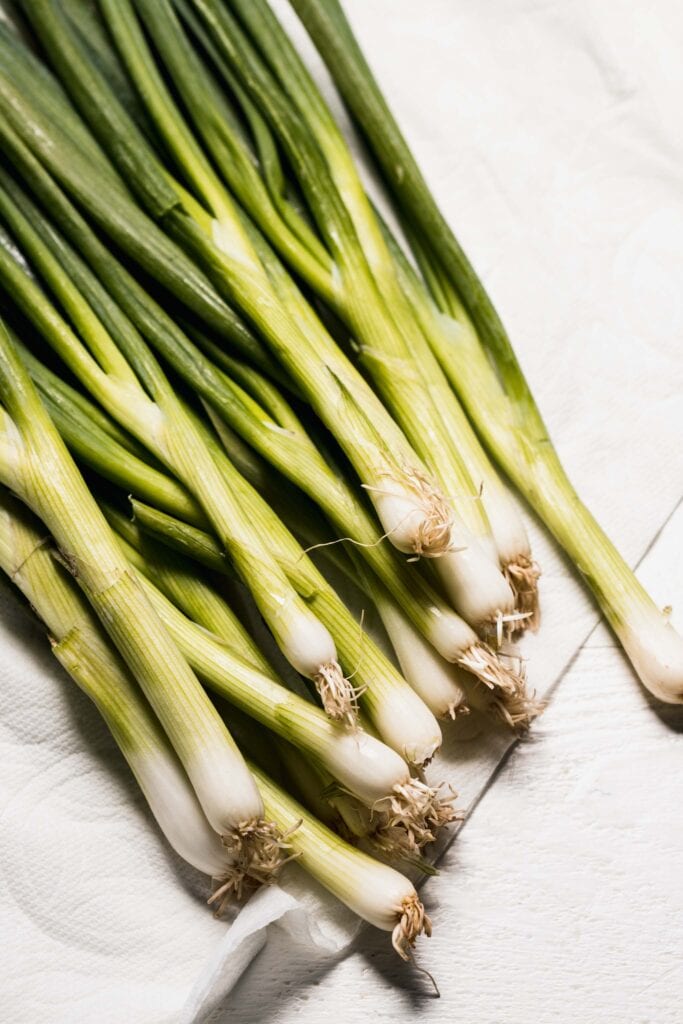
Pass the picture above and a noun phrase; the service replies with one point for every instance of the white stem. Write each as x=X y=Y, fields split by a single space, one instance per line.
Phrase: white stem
x=433 y=678
x=475 y=585
x=305 y=641
x=450 y=635
x=376 y=892
x=213 y=770
x=364 y=765
x=407 y=724
x=177 y=811
x=656 y=650
x=412 y=526
x=509 y=532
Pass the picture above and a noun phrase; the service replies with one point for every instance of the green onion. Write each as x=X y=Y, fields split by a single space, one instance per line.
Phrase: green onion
x=288 y=448
x=143 y=400
x=401 y=719
x=376 y=892
x=345 y=814
x=86 y=431
x=475 y=352
x=507 y=528
x=87 y=435
x=31 y=563
x=345 y=879
x=366 y=290
x=364 y=765
x=37 y=120
x=177 y=578
x=444 y=687
x=295 y=454
x=434 y=679
x=35 y=465
x=414 y=515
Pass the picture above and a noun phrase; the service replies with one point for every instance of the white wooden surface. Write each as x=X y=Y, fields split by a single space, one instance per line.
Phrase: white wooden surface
x=561 y=902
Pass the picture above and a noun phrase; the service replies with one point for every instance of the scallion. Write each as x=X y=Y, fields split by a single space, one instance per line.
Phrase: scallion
x=35 y=465
x=475 y=352
x=32 y=564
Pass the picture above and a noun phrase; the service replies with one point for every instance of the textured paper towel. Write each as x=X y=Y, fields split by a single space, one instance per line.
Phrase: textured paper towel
x=543 y=127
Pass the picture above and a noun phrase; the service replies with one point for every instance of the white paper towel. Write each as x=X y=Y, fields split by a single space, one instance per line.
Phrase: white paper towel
x=545 y=129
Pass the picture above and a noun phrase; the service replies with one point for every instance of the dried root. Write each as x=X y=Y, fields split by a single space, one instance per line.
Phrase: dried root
x=257 y=850
x=457 y=710
x=413 y=922
x=337 y=694
x=392 y=842
x=511 y=700
x=517 y=712
x=231 y=887
x=418 y=810
x=433 y=537
x=523 y=575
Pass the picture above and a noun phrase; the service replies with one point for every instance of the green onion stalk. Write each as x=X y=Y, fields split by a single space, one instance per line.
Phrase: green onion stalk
x=396 y=712
x=249 y=403
x=429 y=668
x=36 y=111
x=362 y=285
x=32 y=563
x=474 y=349
x=180 y=441
x=87 y=436
x=35 y=465
x=400 y=806
x=138 y=394
x=394 y=906
x=79 y=422
x=491 y=686
x=346 y=814
x=329 y=30
x=376 y=892
x=96 y=442
x=444 y=687
x=414 y=514
x=177 y=578
x=509 y=532
x=401 y=717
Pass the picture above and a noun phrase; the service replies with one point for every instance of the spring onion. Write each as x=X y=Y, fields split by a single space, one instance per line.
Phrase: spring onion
x=35 y=465
x=143 y=400
x=475 y=352
x=364 y=765
x=376 y=892
x=414 y=515
x=275 y=431
x=364 y=287
x=507 y=528
x=27 y=557
x=399 y=716
x=295 y=455
x=81 y=425
x=35 y=110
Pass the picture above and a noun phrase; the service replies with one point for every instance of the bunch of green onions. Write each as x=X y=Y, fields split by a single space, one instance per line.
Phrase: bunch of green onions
x=470 y=343
x=210 y=328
